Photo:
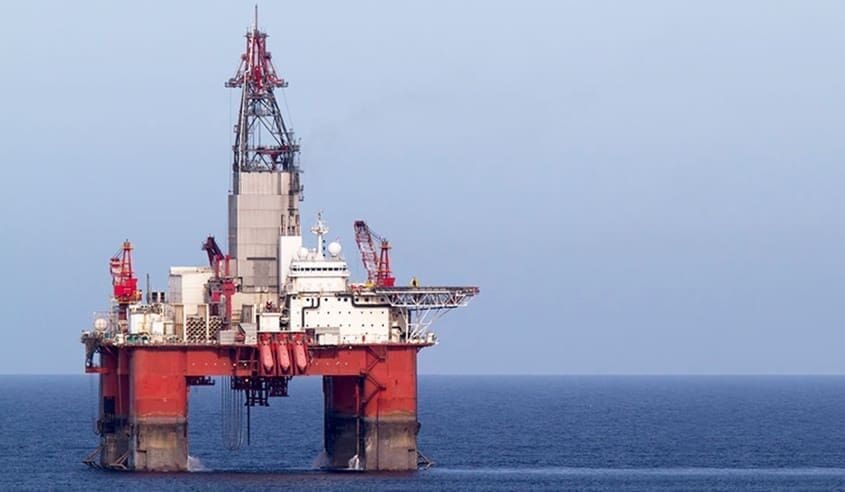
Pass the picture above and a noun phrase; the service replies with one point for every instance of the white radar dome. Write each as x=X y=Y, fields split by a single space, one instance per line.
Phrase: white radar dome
x=302 y=253
x=101 y=324
x=334 y=248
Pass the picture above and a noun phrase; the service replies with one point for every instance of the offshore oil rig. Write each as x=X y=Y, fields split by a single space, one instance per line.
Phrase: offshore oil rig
x=268 y=310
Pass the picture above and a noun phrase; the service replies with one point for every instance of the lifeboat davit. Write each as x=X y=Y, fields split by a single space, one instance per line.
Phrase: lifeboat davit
x=266 y=356
x=299 y=353
x=283 y=356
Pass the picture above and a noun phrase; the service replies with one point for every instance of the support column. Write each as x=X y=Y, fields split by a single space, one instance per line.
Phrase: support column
x=158 y=414
x=113 y=424
x=340 y=428
x=371 y=420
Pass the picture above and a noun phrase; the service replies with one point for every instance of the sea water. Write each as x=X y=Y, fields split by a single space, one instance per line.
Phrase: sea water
x=483 y=432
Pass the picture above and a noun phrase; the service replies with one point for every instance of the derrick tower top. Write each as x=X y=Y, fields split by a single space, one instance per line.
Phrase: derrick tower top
x=263 y=142
x=266 y=189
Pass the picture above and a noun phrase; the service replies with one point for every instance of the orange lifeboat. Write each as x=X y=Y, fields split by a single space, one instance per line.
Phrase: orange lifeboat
x=266 y=355
x=283 y=356
x=299 y=353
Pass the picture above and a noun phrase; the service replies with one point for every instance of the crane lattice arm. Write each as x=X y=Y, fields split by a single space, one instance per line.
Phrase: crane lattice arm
x=125 y=285
x=222 y=285
x=215 y=254
x=377 y=266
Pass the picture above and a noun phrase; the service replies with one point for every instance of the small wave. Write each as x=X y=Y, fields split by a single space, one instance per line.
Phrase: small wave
x=354 y=463
x=322 y=460
x=195 y=464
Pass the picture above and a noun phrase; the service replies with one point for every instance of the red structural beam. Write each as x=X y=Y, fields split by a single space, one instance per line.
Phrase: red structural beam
x=348 y=360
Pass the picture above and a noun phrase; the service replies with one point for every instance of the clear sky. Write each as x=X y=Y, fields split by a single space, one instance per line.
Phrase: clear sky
x=636 y=187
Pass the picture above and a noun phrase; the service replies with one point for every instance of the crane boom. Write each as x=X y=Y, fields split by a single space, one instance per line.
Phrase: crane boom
x=376 y=265
x=215 y=254
x=124 y=283
x=223 y=284
x=364 y=238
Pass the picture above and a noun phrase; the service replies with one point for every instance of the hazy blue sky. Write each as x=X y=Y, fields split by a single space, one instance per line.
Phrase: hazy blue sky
x=636 y=186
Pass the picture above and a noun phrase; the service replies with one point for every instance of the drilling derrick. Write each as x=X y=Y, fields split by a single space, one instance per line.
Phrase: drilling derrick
x=265 y=173
x=269 y=310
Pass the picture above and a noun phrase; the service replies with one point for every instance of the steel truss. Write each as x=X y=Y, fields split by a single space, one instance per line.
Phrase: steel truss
x=263 y=142
x=425 y=305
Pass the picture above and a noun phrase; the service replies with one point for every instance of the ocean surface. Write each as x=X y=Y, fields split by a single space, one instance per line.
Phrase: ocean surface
x=510 y=433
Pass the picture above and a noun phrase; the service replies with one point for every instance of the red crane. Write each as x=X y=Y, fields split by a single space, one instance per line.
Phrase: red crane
x=223 y=285
x=124 y=283
x=377 y=266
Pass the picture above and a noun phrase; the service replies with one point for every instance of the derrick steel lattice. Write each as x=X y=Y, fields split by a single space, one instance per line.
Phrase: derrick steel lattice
x=263 y=142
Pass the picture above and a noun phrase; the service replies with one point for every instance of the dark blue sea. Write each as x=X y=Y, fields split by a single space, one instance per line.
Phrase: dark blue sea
x=511 y=433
